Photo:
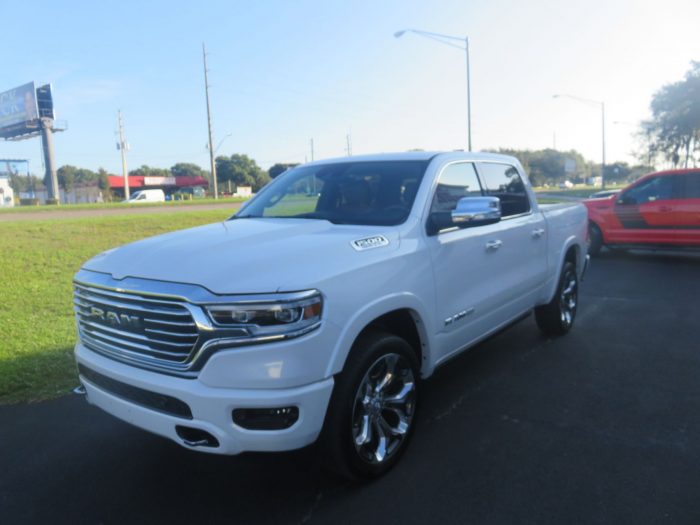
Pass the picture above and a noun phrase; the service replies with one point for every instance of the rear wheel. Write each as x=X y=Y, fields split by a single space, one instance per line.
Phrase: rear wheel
x=557 y=317
x=595 y=239
x=372 y=411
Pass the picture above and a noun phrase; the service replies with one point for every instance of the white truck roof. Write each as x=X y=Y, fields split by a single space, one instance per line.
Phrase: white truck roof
x=416 y=155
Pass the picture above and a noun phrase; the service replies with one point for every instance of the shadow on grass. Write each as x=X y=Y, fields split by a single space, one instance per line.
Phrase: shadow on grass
x=37 y=376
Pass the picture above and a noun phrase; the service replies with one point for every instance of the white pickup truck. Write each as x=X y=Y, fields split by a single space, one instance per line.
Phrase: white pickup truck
x=317 y=309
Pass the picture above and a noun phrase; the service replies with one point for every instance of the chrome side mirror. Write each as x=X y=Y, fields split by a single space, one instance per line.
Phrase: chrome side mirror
x=476 y=211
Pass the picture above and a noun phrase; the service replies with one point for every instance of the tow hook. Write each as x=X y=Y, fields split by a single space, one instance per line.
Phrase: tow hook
x=79 y=390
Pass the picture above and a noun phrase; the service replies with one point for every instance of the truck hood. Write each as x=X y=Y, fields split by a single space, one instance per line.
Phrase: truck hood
x=243 y=256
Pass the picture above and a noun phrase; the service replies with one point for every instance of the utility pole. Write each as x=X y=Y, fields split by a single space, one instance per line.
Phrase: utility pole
x=211 y=135
x=349 y=144
x=122 y=146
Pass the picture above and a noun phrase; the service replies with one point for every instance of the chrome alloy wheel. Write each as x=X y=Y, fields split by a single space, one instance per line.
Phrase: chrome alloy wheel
x=569 y=298
x=383 y=408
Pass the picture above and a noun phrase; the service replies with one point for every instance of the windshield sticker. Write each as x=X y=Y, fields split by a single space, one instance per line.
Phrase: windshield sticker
x=370 y=242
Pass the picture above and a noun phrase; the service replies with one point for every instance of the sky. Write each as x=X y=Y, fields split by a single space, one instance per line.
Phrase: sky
x=283 y=73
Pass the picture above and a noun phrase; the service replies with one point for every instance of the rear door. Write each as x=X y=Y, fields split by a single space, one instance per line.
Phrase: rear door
x=688 y=210
x=521 y=269
x=647 y=212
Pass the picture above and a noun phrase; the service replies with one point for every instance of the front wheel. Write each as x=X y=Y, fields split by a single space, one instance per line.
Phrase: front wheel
x=372 y=411
x=557 y=316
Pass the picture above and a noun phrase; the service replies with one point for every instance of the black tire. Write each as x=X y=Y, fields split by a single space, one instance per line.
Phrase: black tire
x=347 y=409
x=557 y=317
x=595 y=239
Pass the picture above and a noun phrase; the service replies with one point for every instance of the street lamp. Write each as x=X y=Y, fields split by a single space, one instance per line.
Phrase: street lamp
x=449 y=40
x=216 y=149
x=602 y=112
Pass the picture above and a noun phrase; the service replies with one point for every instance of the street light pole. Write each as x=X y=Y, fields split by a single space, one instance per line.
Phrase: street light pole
x=221 y=142
x=449 y=40
x=469 y=96
x=602 y=169
x=602 y=113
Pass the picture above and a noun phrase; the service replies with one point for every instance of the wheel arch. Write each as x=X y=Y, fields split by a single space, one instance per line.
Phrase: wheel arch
x=573 y=252
x=596 y=223
x=401 y=315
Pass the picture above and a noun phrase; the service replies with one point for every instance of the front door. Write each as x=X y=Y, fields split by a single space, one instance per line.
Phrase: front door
x=646 y=213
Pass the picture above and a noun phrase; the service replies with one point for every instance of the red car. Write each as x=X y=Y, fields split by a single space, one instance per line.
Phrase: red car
x=660 y=209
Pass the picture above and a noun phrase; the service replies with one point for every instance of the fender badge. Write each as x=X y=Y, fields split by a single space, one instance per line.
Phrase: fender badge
x=368 y=243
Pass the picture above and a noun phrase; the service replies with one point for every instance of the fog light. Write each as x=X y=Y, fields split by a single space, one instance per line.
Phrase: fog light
x=265 y=418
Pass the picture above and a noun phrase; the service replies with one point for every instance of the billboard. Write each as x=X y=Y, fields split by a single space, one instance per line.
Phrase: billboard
x=18 y=106
x=44 y=101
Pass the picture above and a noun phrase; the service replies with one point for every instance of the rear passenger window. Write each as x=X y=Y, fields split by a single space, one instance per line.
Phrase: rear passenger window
x=504 y=181
x=692 y=186
x=456 y=181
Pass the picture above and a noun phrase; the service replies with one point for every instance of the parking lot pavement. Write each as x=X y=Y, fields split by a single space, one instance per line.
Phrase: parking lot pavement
x=600 y=426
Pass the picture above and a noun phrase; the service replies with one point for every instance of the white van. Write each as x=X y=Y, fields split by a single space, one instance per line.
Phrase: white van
x=146 y=196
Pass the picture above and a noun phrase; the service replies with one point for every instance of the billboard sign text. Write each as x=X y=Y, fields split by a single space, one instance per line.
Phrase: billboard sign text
x=18 y=106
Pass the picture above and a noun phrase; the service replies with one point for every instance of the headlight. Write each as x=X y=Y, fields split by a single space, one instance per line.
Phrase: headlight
x=274 y=317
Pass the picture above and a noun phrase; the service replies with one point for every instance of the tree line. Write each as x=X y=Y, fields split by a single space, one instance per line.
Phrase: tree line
x=239 y=170
x=545 y=167
x=551 y=167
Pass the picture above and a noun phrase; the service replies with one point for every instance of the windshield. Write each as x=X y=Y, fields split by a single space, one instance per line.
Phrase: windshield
x=368 y=193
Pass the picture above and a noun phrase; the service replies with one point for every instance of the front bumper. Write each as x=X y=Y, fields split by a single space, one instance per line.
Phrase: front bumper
x=211 y=407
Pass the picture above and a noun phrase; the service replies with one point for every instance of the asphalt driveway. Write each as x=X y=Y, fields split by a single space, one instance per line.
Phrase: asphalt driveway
x=601 y=426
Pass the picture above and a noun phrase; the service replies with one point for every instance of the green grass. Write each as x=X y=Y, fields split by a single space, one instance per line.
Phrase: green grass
x=119 y=205
x=37 y=261
x=585 y=191
x=293 y=204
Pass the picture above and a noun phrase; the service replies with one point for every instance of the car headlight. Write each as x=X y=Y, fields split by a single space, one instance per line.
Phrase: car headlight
x=274 y=317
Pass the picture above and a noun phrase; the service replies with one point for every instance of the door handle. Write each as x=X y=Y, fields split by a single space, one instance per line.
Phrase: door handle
x=538 y=233
x=665 y=208
x=493 y=245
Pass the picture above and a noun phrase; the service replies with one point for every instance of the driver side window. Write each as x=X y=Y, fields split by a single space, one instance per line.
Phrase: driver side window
x=456 y=181
x=654 y=189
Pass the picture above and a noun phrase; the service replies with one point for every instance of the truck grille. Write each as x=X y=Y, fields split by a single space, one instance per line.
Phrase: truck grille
x=133 y=327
